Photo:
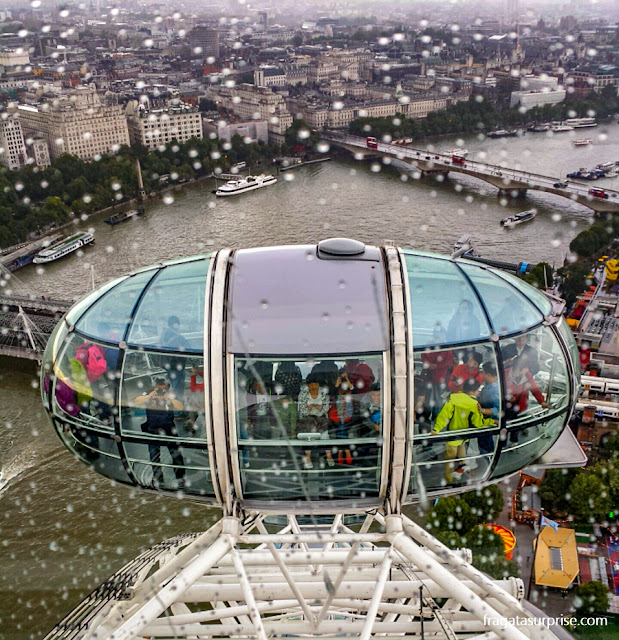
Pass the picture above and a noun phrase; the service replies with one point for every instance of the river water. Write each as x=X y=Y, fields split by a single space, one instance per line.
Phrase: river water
x=64 y=529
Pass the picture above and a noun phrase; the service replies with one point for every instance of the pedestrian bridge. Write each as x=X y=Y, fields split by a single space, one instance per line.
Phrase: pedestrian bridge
x=512 y=182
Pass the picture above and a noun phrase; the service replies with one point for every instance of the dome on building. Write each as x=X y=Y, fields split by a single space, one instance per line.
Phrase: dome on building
x=328 y=377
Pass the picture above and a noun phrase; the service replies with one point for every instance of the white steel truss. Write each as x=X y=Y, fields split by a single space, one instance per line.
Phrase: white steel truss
x=386 y=578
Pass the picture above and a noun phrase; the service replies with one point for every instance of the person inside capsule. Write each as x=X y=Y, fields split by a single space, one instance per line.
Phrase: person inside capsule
x=320 y=432
x=160 y=406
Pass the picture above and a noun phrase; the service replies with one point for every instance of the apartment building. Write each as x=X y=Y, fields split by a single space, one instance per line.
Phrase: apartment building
x=155 y=127
x=12 y=148
x=254 y=130
x=249 y=102
x=204 y=42
x=339 y=114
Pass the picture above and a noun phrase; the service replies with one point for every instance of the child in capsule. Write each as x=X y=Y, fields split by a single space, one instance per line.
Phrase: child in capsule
x=343 y=413
x=469 y=370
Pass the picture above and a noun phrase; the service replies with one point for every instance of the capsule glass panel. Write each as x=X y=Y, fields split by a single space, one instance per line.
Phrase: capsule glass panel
x=108 y=317
x=83 y=383
x=96 y=450
x=533 y=294
x=448 y=460
x=536 y=376
x=445 y=308
x=170 y=315
x=439 y=373
x=162 y=421
x=457 y=412
x=509 y=310
x=524 y=445
x=568 y=338
x=77 y=310
x=309 y=429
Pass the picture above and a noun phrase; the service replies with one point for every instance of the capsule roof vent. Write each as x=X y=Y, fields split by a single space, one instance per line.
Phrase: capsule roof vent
x=341 y=247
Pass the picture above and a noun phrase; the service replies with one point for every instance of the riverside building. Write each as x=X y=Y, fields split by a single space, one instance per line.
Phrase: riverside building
x=77 y=123
x=155 y=127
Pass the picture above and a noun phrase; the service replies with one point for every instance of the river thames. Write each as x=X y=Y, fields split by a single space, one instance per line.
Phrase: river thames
x=63 y=528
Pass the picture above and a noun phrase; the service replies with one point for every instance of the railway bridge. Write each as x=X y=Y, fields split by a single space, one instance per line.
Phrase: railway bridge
x=512 y=182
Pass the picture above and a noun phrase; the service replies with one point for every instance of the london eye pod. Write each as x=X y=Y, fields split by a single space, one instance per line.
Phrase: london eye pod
x=305 y=383
x=310 y=377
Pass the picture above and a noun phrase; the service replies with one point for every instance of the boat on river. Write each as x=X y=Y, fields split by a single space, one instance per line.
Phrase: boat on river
x=502 y=133
x=249 y=183
x=581 y=142
x=65 y=247
x=579 y=123
x=519 y=218
x=586 y=174
x=123 y=216
x=541 y=127
x=557 y=128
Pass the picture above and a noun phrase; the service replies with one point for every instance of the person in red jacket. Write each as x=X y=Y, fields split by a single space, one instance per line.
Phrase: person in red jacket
x=467 y=371
x=518 y=383
x=360 y=376
x=343 y=414
x=196 y=400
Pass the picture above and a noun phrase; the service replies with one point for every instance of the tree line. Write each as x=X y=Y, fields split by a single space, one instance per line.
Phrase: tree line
x=34 y=200
x=458 y=521
x=477 y=114
x=585 y=495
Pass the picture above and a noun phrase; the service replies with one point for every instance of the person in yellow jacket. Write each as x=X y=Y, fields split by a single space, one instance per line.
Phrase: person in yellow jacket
x=461 y=411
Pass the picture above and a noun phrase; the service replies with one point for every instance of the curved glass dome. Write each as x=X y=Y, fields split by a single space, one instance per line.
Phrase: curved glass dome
x=311 y=377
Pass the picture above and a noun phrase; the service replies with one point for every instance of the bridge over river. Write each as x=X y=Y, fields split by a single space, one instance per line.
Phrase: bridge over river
x=26 y=323
x=512 y=182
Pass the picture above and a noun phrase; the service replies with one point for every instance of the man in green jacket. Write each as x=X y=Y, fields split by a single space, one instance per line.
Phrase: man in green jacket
x=460 y=412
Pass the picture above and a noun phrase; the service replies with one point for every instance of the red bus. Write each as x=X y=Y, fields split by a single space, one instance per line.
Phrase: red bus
x=371 y=143
x=598 y=193
x=457 y=159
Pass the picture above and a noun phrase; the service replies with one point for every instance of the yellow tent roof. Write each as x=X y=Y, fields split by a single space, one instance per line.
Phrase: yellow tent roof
x=556 y=558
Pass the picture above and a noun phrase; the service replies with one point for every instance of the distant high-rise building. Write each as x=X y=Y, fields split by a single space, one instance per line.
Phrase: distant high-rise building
x=512 y=10
x=204 y=42
x=264 y=19
x=12 y=148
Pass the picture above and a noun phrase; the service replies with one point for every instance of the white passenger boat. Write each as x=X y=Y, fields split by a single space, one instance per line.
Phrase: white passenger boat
x=64 y=247
x=461 y=153
x=249 y=183
x=581 y=142
x=557 y=128
x=578 y=123
x=519 y=218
